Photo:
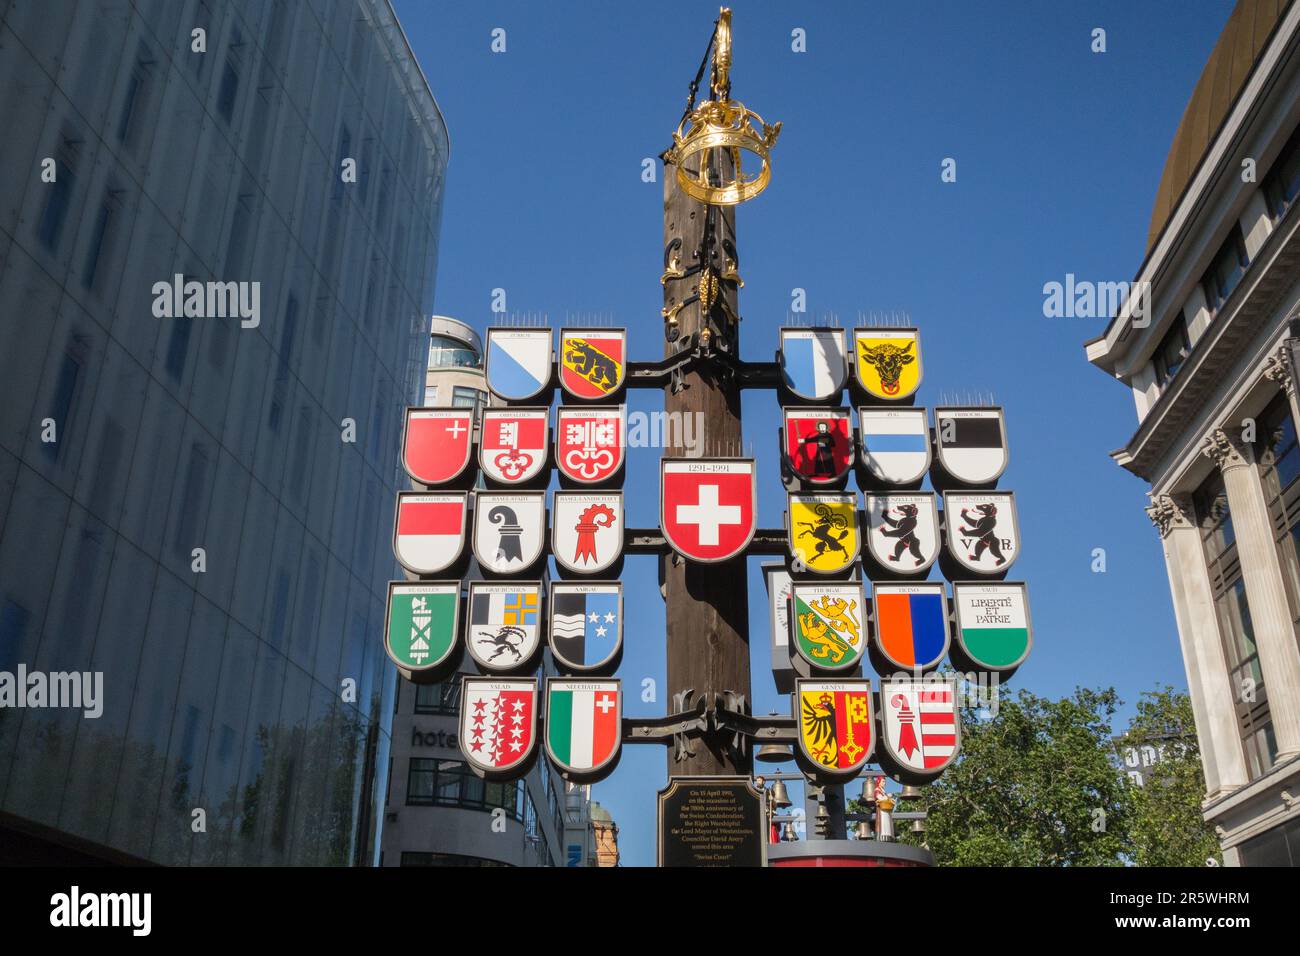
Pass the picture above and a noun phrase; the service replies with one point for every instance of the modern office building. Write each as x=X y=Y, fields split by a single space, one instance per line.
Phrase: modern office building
x=1212 y=363
x=194 y=504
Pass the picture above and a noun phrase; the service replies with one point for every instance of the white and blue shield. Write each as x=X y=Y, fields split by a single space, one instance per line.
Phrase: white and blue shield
x=586 y=624
x=813 y=364
x=895 y=443
x=518 y=362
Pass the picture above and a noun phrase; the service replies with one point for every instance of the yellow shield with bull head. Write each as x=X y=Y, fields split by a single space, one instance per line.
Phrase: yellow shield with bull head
x=887 y=362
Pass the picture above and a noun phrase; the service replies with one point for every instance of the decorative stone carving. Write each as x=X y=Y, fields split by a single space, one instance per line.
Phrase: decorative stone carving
x=1168 y=512
x=1280 y=368
x=1226 y=449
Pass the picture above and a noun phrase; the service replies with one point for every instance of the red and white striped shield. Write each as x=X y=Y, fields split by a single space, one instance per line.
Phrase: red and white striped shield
x=922 y=730
x=707 y=507
x=436 y=443
x=513 y=445
x=429 y=531
x=589 y=442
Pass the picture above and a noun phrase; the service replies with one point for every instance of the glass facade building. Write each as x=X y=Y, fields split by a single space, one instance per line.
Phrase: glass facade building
x=200 y=508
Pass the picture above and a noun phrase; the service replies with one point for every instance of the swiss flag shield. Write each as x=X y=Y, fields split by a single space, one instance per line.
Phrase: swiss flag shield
x=512 y=448
x=436 y=444
x=707 y=507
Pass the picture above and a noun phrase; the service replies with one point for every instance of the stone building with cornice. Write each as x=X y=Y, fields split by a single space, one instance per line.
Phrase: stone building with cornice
x=1208 y=344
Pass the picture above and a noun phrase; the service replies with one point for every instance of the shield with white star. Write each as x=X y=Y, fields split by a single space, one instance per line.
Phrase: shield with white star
x=498 y=725
x=586 y=630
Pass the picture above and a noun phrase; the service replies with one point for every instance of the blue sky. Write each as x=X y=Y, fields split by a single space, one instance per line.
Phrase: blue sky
x=1059 y=152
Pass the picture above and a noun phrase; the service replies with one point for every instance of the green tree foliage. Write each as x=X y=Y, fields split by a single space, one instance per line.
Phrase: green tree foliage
x=1166 y=827
x=1036 y=785
x=1039 y=783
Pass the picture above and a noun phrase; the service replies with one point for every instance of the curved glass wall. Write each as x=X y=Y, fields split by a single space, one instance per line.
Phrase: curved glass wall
x=446 y=352
x=199 y=508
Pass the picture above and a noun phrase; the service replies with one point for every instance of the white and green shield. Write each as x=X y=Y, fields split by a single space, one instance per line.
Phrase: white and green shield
x=584 y=726
x=422 y=624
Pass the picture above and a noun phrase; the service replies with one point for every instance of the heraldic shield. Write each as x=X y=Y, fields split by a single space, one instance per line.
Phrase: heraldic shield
x=708 y=507
x=436 y=443
x=827 y=624
x=822 y=531
x=498 y=726
x=813 y=362
x=895 y=444
x=903 y=532
x=911 y=625
x=920 y=727
x=514 y=444
x=587 y=530
x=887 y=362
x=505 y=624
x=421 y=626
x=982 y=531
x=518 y=362
x=972 y=444
x=586 y=632
x=590 y=442
x=509 y=530
x=593 y=362
x=836 y=726
x=584 y=727
x=429 y=530
x=818 y=443
x=993 y=627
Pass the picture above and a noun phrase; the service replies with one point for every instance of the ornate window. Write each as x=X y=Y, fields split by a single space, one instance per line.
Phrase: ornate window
x=1236 y=631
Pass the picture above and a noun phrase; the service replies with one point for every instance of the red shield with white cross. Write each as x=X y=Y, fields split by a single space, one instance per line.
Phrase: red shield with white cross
x=708 y=506
x=512 y=448
x=436 y=443
x=589 y=442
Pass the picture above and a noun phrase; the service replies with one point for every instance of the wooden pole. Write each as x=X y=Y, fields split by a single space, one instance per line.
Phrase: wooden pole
x=707 y=604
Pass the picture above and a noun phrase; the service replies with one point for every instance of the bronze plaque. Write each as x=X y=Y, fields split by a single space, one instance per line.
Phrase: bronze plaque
x=711 y=821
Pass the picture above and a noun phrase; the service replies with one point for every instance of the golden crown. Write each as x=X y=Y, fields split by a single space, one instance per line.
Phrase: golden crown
x=722 y=126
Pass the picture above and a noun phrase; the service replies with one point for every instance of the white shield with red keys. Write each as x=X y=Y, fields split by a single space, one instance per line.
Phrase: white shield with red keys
x=429 y=533
x=436 y=443
x=708 y=506
x=587 y=530
x=513 y=445
x=589 y=442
